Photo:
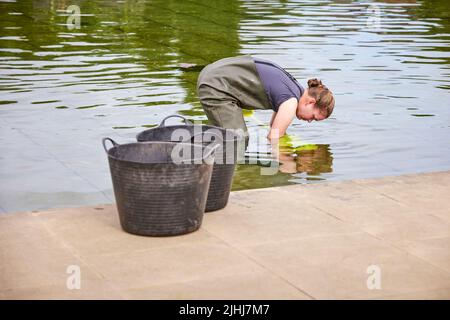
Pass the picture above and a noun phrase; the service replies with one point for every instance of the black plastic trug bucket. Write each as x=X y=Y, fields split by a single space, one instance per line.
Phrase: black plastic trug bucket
x=226 y=155
x=155 y=195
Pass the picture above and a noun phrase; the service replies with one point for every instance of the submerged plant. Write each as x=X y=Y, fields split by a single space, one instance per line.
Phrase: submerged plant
x=294 y=144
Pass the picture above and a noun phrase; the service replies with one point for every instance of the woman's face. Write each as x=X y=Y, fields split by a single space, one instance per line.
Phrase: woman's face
x=306 y=109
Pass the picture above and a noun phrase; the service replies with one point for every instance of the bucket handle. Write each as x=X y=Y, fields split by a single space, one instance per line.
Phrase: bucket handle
x=211 y=133
x=110 y=140
x=186 y=121
x=210 y=152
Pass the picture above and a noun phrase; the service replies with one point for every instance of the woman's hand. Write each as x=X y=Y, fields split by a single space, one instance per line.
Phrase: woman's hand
x=286 y=160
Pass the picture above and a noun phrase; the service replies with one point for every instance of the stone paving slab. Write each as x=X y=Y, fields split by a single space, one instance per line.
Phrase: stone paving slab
x=314 y=241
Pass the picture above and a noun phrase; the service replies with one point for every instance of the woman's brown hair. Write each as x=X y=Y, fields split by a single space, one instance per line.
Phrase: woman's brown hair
x=324 y=97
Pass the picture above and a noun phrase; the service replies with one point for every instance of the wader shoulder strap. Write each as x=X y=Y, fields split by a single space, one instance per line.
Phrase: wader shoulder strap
x=238 y=78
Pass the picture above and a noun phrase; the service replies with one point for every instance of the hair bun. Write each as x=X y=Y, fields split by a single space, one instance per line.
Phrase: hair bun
x=314 y=83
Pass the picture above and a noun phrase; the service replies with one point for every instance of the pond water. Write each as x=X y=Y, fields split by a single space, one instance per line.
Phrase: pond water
x=128 y=64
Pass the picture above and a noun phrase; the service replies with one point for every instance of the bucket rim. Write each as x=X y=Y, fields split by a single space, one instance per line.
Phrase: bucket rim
x=234 y=138
x=108 y=152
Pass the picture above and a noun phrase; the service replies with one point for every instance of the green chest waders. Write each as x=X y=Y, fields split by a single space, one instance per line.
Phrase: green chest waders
x=227 y=86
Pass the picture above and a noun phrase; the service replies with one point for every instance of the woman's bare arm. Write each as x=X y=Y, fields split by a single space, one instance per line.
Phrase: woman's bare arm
x=282 y=119
x=274 y=114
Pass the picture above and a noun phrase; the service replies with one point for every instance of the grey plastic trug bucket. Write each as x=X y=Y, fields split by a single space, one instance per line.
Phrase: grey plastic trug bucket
x=156 y=196
x=225 y=161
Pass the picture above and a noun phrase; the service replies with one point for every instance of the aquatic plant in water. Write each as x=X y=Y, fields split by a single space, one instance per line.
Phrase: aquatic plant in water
x=295 y=144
